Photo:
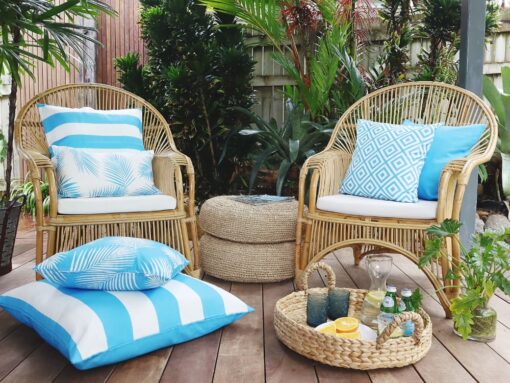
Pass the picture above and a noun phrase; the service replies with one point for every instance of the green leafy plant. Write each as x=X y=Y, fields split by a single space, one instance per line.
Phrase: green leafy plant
x=482 y=269
x=27 y=188
x=196 y=70
x=287 y=145
x=40 y=31
x=500 y=102
x=440 y=24
x=315 y=42
x=397 y=16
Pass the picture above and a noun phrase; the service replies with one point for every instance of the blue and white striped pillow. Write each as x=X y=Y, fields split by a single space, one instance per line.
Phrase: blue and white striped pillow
x=92 y=328
x=114 y=263
x=92 y=129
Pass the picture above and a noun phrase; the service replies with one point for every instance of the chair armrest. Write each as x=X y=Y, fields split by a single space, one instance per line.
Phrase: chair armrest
x=452 y=185
x=327 y=171
x=168 y=176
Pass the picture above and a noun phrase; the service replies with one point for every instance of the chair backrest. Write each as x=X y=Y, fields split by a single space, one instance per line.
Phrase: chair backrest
x=424 y=102
x=30 y=134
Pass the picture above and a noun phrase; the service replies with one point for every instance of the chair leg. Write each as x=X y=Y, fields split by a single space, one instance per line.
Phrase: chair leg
x=356 y=250
x=39 y=250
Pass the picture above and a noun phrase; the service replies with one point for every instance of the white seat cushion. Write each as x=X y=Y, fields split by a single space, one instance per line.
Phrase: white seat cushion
x=368 y=207
x=127 y=204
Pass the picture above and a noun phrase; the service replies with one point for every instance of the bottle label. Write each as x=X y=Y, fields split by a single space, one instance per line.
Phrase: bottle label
x=402 y=306
x=388 y=302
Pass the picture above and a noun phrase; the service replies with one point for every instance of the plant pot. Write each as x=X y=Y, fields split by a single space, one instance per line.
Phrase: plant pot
x=9 y=218
x=483 y=328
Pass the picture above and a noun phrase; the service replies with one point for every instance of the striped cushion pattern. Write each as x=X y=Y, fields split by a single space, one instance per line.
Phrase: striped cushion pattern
x=92 y=129
x=93 y=328
x=114 y=263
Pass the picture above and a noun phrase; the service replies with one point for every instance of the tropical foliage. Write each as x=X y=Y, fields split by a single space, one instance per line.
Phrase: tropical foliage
x=483 y=269
x=45 y=31
x=288 y=145
x=196 y=71
x=27 y=189
x=394 y=62
x=315 y=42
x=500 y=101
x=440 y=23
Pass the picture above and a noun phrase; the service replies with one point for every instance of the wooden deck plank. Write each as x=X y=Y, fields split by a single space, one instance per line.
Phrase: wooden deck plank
x=282 y=365
x=241 y=353
x=204 y=349
x=16 y=347
x=41 y=366
x=471 y=355
x=72 y=374
x=18 y=277
x=144 y=369
x=7 y=324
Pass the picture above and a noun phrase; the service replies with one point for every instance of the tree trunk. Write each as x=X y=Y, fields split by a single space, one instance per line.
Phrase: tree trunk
x=16 y=37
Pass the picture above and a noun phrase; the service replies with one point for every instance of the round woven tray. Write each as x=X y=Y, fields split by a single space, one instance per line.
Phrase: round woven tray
x=247 y=262
x=226 y=218
x=292 y=330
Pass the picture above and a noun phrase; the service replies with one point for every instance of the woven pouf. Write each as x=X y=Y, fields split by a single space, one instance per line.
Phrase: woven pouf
x=248 y=243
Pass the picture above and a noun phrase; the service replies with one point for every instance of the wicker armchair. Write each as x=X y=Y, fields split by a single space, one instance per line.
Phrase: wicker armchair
x=320 y=232
x=173 y=175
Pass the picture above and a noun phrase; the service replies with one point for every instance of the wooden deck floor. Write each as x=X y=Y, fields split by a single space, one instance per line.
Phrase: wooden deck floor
x=248 y=350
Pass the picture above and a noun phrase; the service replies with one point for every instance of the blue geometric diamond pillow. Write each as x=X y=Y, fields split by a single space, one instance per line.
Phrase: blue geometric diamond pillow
x=92 y=328
x=387 y=161
x=93 y=173
x=114 y=263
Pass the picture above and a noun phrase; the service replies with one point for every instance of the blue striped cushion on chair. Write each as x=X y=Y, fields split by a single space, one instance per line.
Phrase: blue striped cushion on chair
x=92 y=129
x=93 y=328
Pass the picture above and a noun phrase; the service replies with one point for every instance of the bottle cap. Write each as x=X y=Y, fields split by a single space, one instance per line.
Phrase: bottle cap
x=406 y=292
x=391 y=289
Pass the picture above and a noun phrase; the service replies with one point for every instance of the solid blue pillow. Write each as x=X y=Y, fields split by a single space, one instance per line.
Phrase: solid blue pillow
x=387 y=161
x=450 y=143
x=114 y=263
x=92 y=328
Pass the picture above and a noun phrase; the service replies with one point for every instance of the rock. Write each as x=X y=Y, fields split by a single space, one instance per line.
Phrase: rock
x=497 y=222
x=479 y=224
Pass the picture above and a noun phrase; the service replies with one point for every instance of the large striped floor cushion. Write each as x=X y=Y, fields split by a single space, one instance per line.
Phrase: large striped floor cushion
x=93 y=328
x=87 y=128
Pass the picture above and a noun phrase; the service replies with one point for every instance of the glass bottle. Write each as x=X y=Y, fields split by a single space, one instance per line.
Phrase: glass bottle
x=405 y=306
x=389 y=308
x=379 y=268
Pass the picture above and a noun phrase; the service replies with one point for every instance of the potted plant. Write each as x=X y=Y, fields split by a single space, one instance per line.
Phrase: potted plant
x=484 y=269
x=44 y=31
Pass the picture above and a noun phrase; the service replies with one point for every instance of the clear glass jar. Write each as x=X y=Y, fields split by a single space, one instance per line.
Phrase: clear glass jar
x=379 y=268
x=483 y=328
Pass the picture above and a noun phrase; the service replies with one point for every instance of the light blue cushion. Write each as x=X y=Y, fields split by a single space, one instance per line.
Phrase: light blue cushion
x=114 y=263
x=450 y=143
x=387 y=161
x=90 y=128
x=92 y=328
x=92 y=173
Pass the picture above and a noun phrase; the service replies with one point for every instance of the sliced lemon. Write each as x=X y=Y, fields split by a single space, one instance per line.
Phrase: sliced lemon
x=375 y=297
x=329 y=329
x=346 y=324
x=349 y=335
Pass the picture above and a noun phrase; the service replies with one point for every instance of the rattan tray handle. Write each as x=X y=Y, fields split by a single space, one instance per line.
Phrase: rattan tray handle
x=320 y=265
x=399 y=319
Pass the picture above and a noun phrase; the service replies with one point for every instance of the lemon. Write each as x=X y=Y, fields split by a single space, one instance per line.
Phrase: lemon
x=349 y=335
x=375 y=297
x=346 y=324
x=329 y=329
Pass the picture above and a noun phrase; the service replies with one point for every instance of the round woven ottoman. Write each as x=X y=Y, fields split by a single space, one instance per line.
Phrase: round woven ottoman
x=245 y=242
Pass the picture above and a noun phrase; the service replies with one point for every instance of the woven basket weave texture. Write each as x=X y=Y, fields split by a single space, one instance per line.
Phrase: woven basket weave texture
x=236 y=221
x=292 y=330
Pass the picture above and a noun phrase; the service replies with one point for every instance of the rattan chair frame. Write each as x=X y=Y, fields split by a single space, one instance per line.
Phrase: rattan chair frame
x=320 y=232
x=173 y=175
